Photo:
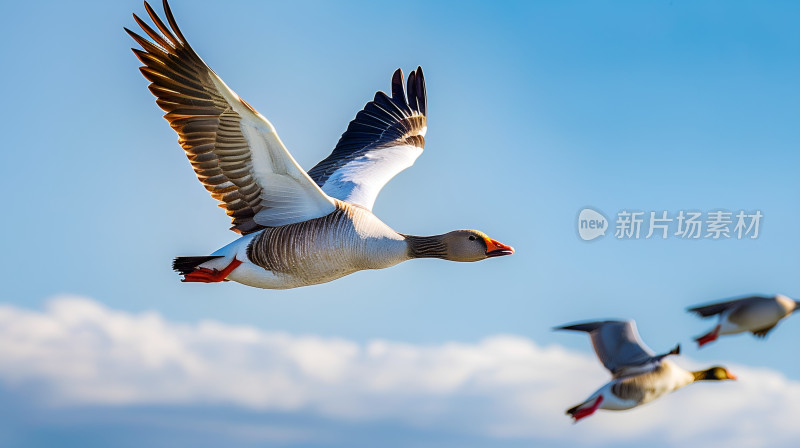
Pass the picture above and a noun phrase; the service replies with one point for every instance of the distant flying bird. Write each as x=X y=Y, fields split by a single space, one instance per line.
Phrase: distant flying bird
x=756 y=314
x=297 y=228
x=638 y=374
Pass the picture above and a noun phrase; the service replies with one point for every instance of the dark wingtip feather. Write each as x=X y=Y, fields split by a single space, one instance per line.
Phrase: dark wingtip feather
x=146 y=44
x=411 y=90
x=398 y=90
x=708 y=310
x=154 y=35
x=186 y=265
x=173 y=23
x=422 y=96
x=131 y=33
x=588 y=327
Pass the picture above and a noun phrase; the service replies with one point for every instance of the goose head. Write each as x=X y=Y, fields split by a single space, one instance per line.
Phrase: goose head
x=716 y=373
x=789 y=305
x=458 y=245
x=473 y=245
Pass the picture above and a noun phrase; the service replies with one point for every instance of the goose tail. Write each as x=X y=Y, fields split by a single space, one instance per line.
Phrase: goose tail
x=187 y=265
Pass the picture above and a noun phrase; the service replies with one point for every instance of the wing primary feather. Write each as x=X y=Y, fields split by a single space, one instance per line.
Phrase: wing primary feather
x=160 y=40
x=422 y=95
x=233 y=150
x=585 y=327
x=411 y=90
x=174 y=24
x=160 y=25
x=398 y=92
x=146 y=44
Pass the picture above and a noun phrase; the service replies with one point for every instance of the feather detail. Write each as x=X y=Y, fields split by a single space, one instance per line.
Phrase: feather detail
x=234 y=151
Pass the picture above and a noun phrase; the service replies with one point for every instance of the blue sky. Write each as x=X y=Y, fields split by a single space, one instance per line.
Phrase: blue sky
x=536 y=110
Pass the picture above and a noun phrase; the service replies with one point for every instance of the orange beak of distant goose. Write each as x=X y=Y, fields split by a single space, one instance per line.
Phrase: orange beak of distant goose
x=497 y=249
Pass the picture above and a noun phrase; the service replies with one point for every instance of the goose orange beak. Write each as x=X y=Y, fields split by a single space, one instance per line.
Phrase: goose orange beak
x=495 y=248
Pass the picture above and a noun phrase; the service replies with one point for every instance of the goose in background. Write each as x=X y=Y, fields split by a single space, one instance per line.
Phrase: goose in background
x=298 y=228
x=756 y=314
x=638 y=374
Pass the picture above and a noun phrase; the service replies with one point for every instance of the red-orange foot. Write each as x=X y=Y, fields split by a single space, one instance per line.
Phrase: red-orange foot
x=578 y=414
x=706 y=338
x=204 y=275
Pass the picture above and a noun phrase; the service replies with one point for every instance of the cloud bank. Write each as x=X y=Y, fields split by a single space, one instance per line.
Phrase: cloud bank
x=77 y=353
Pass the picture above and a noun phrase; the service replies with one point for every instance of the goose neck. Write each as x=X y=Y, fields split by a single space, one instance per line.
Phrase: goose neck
x=426 y=246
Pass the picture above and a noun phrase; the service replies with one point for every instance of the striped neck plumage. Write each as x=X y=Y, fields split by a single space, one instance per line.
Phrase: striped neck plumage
x=426 y=246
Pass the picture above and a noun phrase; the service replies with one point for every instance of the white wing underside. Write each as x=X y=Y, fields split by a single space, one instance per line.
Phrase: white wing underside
x=384 y=138
x=360 y=180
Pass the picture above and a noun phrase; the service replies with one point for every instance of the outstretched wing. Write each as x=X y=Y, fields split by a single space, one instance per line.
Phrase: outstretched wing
x=618 y=345
x=719 y=307
x=234 y=150
x=385 y=138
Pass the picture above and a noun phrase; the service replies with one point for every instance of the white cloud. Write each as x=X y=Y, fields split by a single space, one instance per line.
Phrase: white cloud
x=80 y=353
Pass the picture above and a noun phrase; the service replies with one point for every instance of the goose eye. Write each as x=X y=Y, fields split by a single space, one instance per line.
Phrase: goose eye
x=472 y=237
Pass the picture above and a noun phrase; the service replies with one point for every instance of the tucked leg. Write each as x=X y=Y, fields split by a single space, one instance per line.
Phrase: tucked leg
x=709 y=337
x=204 y=275
x=585 y=409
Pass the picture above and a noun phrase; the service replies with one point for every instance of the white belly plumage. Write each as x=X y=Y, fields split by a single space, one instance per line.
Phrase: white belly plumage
x=758 y=318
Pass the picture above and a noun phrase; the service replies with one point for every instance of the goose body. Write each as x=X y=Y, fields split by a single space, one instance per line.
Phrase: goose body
x=754 y=314
x=349 y=239
x=639 y=376
x=298 y=228
x=627 y=392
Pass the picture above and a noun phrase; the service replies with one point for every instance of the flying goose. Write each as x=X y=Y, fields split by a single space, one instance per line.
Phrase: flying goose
x=756 y=314
x=638 y=374
x=298 y=228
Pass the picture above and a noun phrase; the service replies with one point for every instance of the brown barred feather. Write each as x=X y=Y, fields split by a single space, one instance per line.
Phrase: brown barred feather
x=282 y=249
x=207 y=126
